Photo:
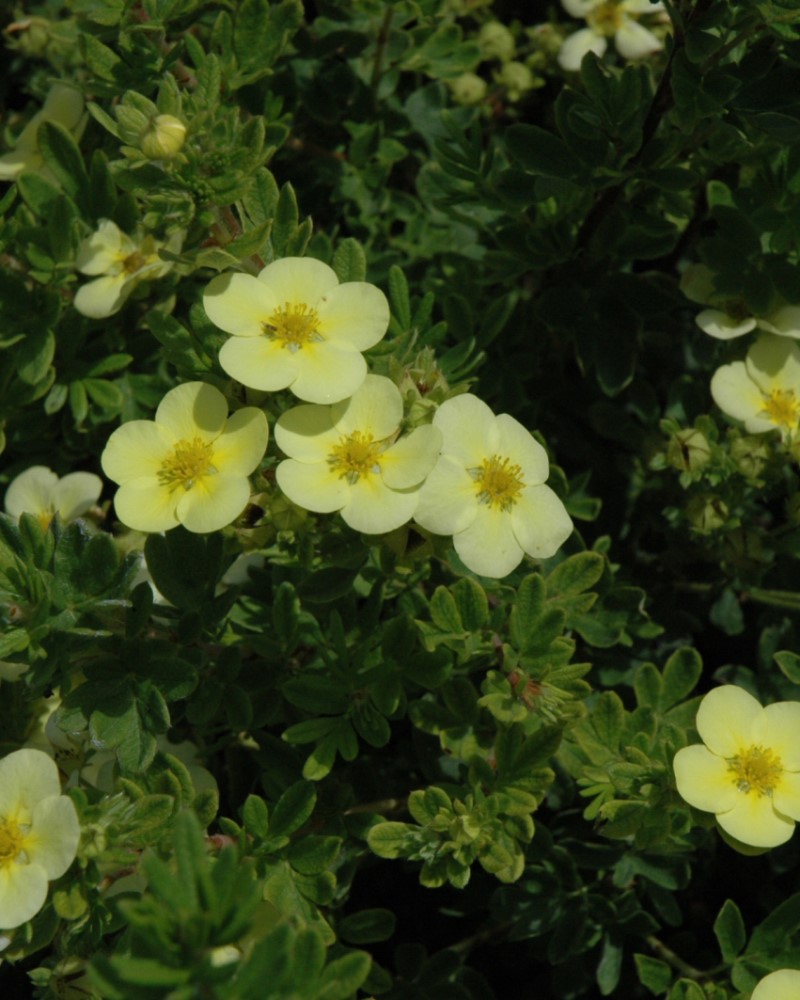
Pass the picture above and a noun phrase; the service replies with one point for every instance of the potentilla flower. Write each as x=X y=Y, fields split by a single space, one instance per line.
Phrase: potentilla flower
x=784 y=984
x=349 y=457
x=40 y=492
x=122 y=264
x=609 y=19
x=763 y=391
x=190 y=465
x=294 y=326
x=64 y=106
x=748 y=770
x=39 y=833
x=487 y=490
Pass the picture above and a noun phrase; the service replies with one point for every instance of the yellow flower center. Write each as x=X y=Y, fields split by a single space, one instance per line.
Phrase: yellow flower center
x=498 y=482
x=354 y=456
x=782 y=407
x=295 y=325
x=12 y=841
x=44 y=517
x=134 y=262
x=189 y=461
x=757 y=770
x=606 y=18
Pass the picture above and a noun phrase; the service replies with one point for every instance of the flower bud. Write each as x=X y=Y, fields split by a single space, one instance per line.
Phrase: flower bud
x=496 y=41
x=467 y=89
x=750 y=453
x=517 y=79
x=688 y=450
x=163 y=137
x=707 y=513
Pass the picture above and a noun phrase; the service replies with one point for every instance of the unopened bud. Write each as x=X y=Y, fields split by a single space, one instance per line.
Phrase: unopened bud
x=707 y=513
x=496 y=42
x=469 y=88
x=517 y=79
x=750 y=453
x=688 y=450
x=163 y=138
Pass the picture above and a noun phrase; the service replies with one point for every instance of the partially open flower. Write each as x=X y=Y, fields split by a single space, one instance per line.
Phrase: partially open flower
x=487 y=490
x=784 y=984
x=609 y=19
x=64 y=106
x=763 y=391
x=39 y=833
x=348 y=458
x=748 y=770
x=121 y=263
x=163 y=138
x=294 y=326
x=40 y=492
x=190 y=465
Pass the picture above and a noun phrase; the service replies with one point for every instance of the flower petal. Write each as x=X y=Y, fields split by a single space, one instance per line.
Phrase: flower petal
x=786 y=796
x=315 y=487
x=778 y=727
x=704 y=780
x=104 y=250
x=783 y=984
x=375 y=509
x=540 y=522
x=754 y=821
x=737 y=395
x=719 y=324
x=213 y=502
x=634 y=41
x=144 y=504
x=136 y=449
x=23 y=891
x=355 y=312
x=55 y=832
x=259 y=363
x=518 y=444
x=104 y=296
x=725 y=720
x=298 y=279
x=76 y=493
x=488 y=546
x=241 y=446
x=194 y=409
x=239 y=304
x=328 y=372
x=31 y=492
x=307 y=433
x=774 y=363
x=26 y=777
x=580 y=8
x=784 y=322
x=375 y=408
x=448 y=500
x=411 y=458
x=469 y=430
x=574 y=48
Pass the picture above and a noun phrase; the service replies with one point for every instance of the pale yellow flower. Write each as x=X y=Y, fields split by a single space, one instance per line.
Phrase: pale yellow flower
x=783 y=984
x=294 y=326
x=64 y=106
x=748 y=770
x=609 y=19
x=121 y=263
x=349 y=458
x=39 y=833
x=487 y=490
x=40 y=492
x=763 y=391
x=728 y=316
x=190 y=465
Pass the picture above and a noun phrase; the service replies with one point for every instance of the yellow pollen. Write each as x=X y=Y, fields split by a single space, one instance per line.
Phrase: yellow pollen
x=12 y=841
x=498 y=482
x=134 y=262
x=354 y=456
x=44 y=517
x=295 y=325
x=606 y=18
x=757 y=770
x=189 y=461
x=782 y=407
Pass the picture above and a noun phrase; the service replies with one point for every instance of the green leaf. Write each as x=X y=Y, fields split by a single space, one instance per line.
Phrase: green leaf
x=63 y=158
x=312 y=854
x=367 y=926
x=773 y=935
x=392 y=840
x=472 y=604
x=285 y=220
x=527 y=609
x=444 y=611
x=399 y=297
x=293 y=809
x=608 y=719
x=609 y=968
x=185 y=566
x=730 y=930
x=790 y=665
x=344 y=976
x=576 y=574
x=681 y=674
x=255 y=816
x=100 y=59
x=540 y=151
x=350 y=261
x=654 y=974
x=36 y=356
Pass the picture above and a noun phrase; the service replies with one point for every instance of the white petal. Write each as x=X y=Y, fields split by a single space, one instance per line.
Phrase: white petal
x=146 y=505
x=355 y=312
x=239 y=304
x=634 y=41
x=540 y=522
x=32 y=492
x=298 y=280
x=26 y=777
x=314 y=487
x=469 y=430
x=328 y=372
x=784 y=984
x=784 y=322
x=23 y=891
x=54 y=835
x=725 y=719
x=774 y=363
x=104 y=250
x=76 y=493
x=736 y=394
x=241 y=445
x=754 y=821
x=521 y=448
x=719 y=324
x=259 y=363
x=194 y=409
x=104 y=296
x=580 y=8
x=135 y=450
x=704 y=780
x=375 y=509
x=575 y=47
x=488 y=546
x=213 y=502
x=307 y=433
x=411 y=458
x=448 y=499
x=375 y=408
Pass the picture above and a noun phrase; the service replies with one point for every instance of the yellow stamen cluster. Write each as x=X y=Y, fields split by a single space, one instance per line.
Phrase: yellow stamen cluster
x=782 y=407
x=189 y=461
x=606 y=19
x=354 y=456
x=498 y=482
x=135 y=262
x=757 y=770
x=295 y=325
x=11 y=841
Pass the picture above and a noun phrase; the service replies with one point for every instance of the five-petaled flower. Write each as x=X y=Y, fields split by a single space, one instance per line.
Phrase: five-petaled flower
x=763 y=391
x=121 y=264
x=783 y=984
x=748 y=770
x=487 y=490
x=64 y=106
x=609 y=19
x=190 y=465
x=294 y=326
x=39 y=833
x=40 y=492
x=348 y=457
